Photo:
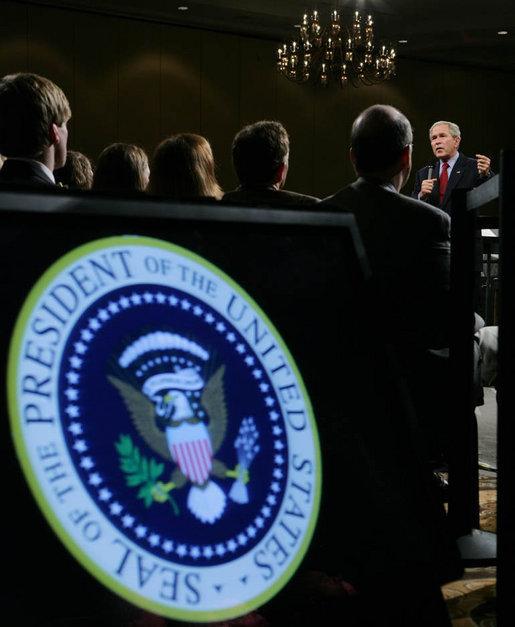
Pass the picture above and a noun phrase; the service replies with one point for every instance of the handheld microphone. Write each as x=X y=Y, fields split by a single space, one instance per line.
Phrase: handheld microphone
x=429 y=176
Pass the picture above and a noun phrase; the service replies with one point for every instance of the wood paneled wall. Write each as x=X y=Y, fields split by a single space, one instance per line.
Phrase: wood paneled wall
x=137 y=81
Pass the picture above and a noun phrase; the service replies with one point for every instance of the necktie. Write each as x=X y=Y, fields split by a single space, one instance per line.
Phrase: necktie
x=444 y=177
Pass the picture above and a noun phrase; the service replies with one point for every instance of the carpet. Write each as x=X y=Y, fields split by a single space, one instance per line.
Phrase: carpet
x=471 y=600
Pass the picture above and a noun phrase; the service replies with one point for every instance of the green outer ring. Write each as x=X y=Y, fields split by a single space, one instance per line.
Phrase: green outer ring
x=15 y=420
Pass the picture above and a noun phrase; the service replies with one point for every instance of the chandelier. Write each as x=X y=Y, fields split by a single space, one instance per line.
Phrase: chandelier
x=332 y=52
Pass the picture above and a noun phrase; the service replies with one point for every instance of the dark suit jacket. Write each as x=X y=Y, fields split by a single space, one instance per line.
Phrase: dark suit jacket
x=407 y=243
x=464 y=175
x=23 y=174
x=408 y=247
x=268 y=197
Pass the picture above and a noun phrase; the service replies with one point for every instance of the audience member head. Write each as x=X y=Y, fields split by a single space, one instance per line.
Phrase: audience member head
x=381 y=138
x=76 y=173
x=183 y=166
x=260 y=154
x=2 y=159
x=121 y=168
x=33 y=117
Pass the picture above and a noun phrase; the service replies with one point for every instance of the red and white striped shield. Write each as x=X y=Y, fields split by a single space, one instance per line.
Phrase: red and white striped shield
x=191 y=450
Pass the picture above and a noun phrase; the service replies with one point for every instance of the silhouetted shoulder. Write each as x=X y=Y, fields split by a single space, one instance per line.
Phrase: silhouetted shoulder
x=268 y=197
x=17 y=173
x=364 y=196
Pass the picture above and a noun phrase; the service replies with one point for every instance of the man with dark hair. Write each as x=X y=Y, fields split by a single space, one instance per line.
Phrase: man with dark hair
x=453 y=170
x=260 y=154
x=33 y=134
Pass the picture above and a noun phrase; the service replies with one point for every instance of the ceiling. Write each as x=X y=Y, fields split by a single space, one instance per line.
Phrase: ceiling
x=456 y=32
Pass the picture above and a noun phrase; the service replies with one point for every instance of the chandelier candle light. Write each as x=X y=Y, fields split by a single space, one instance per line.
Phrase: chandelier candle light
x=323 y=53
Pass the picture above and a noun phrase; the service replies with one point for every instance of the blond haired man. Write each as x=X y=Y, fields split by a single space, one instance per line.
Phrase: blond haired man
x=34 y=113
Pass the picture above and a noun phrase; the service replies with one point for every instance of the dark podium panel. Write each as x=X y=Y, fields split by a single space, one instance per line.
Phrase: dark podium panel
x=379 y=521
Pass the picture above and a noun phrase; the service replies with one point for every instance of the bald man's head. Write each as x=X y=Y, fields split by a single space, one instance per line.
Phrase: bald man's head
x=379 y=136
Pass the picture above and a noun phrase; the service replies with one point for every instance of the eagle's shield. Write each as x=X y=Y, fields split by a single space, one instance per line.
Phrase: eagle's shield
x=191 y=450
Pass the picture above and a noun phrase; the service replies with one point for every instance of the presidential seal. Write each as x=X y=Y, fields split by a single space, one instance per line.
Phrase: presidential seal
x=164 y=428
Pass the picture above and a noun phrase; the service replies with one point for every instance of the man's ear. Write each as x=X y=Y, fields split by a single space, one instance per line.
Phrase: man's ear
x=406 y=156
x=352 y=158
x=53 y=135
x=280 y=174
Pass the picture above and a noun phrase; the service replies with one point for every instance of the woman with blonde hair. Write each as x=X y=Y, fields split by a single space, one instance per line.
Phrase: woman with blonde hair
x=121 y=168
x=183 y=167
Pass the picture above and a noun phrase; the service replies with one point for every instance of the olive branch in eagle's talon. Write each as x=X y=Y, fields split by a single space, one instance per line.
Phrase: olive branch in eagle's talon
x=142 y=472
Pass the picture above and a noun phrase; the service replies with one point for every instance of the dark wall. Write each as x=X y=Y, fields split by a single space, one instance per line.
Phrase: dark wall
x=136 y=81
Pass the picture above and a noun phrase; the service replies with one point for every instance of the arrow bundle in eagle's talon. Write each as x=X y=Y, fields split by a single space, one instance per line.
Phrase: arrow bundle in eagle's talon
x=246 y=449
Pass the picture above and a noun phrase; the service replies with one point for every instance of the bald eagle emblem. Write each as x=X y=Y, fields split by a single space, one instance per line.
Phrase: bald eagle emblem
x=183 y=418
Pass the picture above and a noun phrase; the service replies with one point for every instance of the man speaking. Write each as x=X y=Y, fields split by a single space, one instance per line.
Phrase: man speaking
x=453 y=170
